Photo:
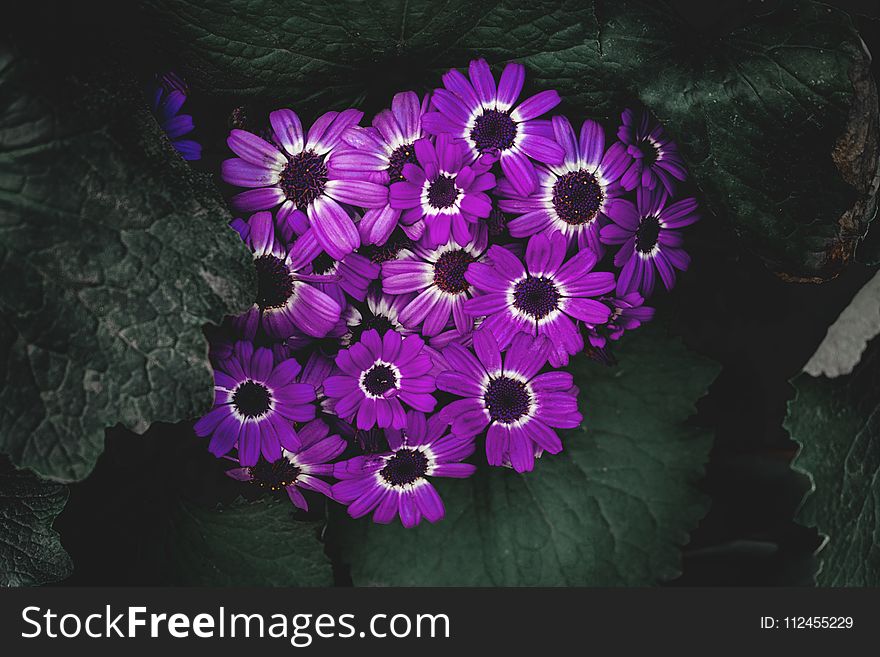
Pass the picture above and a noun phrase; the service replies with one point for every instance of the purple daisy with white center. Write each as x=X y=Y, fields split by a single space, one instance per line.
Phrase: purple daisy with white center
x=443 y=193
x=286 y=297
x=652 y=157
x=397 y=482
x=299 y=468
x=382 y=312
x=381 y=151
x=166 y=99
x=256 y=403
x=484 y=117
x=570 y=198
x=546 y=296
x=299 y=176
x=519 y=407
x=438 y=277
x=378 y=375
x=627 y=313
x=651 y=243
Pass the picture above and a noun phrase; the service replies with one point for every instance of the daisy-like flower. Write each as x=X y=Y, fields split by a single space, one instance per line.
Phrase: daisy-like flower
x=627 y=313
x=381 y=151
x=543 y=297
x=652 y=157
x=382 y=312
x=571 y=198
x=378 y=375
x=484 y=116
x=255 y=405
x=397 y=482
x=438 y=277
x=442 y=192
x=299 y=176
x=299 y=468
x=651 y=243
x=166 y=99
x=519 y=406
x=286 y=296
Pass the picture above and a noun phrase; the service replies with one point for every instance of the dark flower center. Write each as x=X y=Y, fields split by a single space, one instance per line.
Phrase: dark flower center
x=493 y=129
x=303 y=179
x=647 y=234
x=537 y=297
x=577 y=197
x=251 y=399
x=369 y=321
x=323 y=264
x=379 y=379
x=405 y=154
x=274 y=283
x=449 y=271
x=388 y=251
x=406 y=466
x=378 y=322
x=506 y=399
x=275 y=475
x=442 y=192
x=650 y=152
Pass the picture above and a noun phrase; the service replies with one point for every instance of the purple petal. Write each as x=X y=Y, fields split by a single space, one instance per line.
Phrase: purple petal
x=288 y=130
x=255 y=150
x=535 y=106
x=510 y=85
x=334 y=229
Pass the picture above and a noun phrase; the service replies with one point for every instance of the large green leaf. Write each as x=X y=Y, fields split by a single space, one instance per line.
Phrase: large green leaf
x=114 y=254
x=776 y=112
x=158 y=510
x=837 y=423
x=247 y=544
x=613 y=508
x=30 y=552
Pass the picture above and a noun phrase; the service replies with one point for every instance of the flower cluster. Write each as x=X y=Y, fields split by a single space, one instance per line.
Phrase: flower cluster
x=423 y=281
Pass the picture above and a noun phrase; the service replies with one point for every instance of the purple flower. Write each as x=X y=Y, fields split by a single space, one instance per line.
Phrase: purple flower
x=286 y=299
x=571 y=198
x=255 y=405
x=441 y=193
x=381 y=153
x=627 y=314
x=544 y=297
x=382 y=312
x=379 y=375
x=396 y=482
x=519 y=406
x=485 y=118
x=298 y=468
x=652 y=156
x=651 y=243
x=438 y=276
x=300 y=176
x=166 y=99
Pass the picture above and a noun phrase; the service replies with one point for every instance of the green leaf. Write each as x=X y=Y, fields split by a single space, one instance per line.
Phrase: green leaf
x=158 y=510
x=837 y=423
x=776 y=114
x=612 y=509
x=247 y=544
x=114 y=254
x=30 y=550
